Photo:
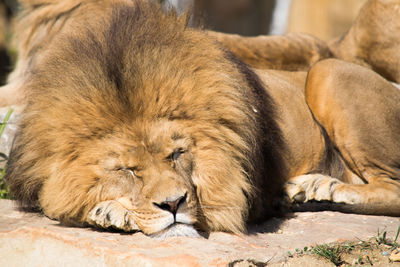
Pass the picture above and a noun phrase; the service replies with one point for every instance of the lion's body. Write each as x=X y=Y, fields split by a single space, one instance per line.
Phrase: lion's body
x=136 y=122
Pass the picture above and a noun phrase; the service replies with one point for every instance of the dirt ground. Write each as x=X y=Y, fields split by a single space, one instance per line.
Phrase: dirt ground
x=377 y=256
x=361 y=253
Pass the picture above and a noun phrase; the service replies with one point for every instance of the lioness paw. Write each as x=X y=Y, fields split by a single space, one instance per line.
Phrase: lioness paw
x=311 y=187
x=111 y=214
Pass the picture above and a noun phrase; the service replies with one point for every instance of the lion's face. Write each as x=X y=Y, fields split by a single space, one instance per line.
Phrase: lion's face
x=151 y=167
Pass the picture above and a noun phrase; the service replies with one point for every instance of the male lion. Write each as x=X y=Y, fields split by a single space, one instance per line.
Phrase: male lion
x=137 y=122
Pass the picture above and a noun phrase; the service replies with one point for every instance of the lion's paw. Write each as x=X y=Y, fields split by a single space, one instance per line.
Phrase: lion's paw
x=111 y=214
x=308 y=187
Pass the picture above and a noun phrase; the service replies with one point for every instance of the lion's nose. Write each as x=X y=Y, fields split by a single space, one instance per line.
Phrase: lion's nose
x=172 y=206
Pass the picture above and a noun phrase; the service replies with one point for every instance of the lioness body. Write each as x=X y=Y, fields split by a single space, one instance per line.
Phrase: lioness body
x=347 y=132
x=136 y=122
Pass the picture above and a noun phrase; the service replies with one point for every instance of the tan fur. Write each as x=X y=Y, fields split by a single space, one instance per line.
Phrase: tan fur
x=136 y=122
x=110 y=111
x=292 y=52
x=325 y=19
x=38 y=24
x=359 y=111
x=374 y=39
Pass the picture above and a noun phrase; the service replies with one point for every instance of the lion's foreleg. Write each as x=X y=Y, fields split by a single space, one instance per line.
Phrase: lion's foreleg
x=381 y=196
x=309 y=187
x=359 y=111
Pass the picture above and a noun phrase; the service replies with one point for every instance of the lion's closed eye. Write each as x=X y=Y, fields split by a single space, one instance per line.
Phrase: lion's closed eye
x=131 y=171
x=174 y=156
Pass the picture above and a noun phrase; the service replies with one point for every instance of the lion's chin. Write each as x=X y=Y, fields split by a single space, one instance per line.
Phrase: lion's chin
x=175 y=230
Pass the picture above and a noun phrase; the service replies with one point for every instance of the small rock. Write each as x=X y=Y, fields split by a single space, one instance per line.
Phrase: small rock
x=385 y=253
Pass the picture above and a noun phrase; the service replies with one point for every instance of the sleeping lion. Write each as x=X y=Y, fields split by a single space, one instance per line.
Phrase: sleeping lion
x=137 y=122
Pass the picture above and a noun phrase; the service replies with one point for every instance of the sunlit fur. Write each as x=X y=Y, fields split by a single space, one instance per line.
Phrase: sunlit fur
x=121 y=84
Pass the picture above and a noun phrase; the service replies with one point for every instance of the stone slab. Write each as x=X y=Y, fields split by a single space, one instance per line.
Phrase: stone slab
x=30 y=239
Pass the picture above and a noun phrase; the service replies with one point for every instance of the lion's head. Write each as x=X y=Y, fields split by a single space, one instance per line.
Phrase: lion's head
x=137 y=106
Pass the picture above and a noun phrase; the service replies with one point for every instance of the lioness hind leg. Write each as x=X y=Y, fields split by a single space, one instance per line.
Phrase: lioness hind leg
x=360 y=112
x=111 y=214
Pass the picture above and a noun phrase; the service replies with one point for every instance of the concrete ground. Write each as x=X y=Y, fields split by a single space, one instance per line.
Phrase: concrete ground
x=30 y=239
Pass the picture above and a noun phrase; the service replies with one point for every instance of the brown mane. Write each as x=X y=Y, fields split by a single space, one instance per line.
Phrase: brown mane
x=137 y=66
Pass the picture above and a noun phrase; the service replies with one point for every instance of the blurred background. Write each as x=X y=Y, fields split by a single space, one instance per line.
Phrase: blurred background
x=325 y=19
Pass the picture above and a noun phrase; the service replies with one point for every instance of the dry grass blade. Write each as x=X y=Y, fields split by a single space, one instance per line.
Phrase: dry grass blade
x=332 y=253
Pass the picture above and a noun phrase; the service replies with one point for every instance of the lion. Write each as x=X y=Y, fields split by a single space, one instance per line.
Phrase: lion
x=373 y=41
x=136 y=122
